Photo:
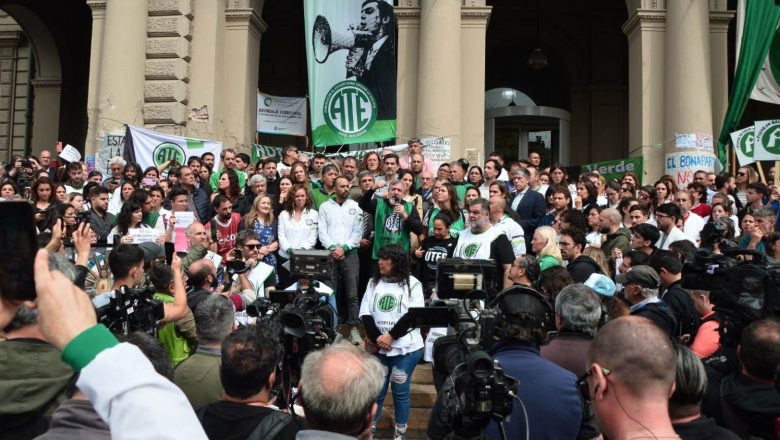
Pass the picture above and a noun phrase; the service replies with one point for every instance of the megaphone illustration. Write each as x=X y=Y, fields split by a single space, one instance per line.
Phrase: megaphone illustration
x=325 y=42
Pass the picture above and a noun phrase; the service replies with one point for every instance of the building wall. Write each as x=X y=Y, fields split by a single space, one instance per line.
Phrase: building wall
x=15 y=65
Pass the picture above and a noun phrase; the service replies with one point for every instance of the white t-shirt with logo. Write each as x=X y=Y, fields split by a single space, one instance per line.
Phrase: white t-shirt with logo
x=514 y=232
x=476 y=246
x=387 y=303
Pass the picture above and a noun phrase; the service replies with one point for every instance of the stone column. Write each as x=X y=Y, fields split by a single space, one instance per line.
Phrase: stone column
x=120 y=92
x=243 y=28
x=407 y=16
x=98 y=7
x=439 y=82
x=206 y=71
x=645 y=30
x=474 y=20
x=687 y=80
x=720 y=18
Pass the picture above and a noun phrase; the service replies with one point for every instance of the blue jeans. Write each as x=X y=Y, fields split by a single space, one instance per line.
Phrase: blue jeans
x=399 y=375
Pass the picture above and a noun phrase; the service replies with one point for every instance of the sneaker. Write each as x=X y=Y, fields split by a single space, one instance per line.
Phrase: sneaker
x=354 y=336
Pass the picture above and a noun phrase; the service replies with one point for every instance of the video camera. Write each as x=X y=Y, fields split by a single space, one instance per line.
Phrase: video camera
x=742 y=292
x=477 y=389
x=128 y=310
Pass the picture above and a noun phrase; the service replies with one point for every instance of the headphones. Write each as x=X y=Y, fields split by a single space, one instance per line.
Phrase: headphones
x=546 y=320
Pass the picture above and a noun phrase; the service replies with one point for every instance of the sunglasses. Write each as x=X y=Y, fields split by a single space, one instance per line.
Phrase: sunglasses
x=253 y=247
x=582 y=383
x=741 y=173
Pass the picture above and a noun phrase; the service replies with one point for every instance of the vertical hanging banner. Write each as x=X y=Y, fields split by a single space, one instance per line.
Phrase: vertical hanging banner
x=281 y=115
x=350 y=55
x=743 y=141
x=151 y=148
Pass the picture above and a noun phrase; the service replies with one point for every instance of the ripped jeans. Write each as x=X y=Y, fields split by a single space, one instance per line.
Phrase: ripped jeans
x=399 y=376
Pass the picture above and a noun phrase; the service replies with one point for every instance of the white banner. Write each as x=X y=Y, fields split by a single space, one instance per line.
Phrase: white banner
x=743 y=140
x=281 y=115
x=111 y=145
x=767 y=140
x=153 y=148
x=682 y=166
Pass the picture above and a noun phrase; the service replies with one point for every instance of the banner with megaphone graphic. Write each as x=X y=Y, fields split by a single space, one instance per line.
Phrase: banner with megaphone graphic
x=350 y=54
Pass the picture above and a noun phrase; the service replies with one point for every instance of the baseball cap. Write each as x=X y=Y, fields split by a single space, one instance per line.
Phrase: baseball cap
x=152 y=251
x=642 y=275
x=601 y=284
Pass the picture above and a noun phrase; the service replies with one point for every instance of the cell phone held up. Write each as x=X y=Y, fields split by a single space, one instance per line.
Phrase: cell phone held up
x=18 y=246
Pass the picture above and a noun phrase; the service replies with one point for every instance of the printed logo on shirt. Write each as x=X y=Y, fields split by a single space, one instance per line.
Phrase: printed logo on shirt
x=471 y=249
x=386 y=302
x=352 y=211
x=309 y=222
x=393 y=223
x=433 y=255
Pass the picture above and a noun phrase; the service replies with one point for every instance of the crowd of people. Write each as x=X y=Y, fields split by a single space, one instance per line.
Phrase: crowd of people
x=574 y=254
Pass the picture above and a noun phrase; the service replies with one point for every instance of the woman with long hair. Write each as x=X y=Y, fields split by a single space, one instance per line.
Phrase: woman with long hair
x=558 y=176
x=592 y=228
x=745 y=176
x=410 y=192
x=648 y=199
x=598 y=256
x=299 y=175
x=553 y=280
x=125 y=192
x=388 y=297
x=545 y=246
x=624 y=207
x=60 y=193
x=445 y=199
x=152 y=173
x=298 y=224
x=630 y=178
x=499 y=188
x=587 y=195
x=43 y=202
x=285 y=186
x=373 y=163
x=774 y=245
x=261 y=220
x=228 y=186
x=76 y=200
x=475 y=176
x=130 y=217
x=472 y=192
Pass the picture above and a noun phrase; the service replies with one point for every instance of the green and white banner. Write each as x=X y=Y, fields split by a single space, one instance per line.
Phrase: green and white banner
x=767 y=140
x=743 y=143
x=350 y=54
x=767 y=86
x=151 y=148
x=614 y=169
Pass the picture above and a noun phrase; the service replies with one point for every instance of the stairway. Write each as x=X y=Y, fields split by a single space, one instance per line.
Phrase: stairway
x=423 y=396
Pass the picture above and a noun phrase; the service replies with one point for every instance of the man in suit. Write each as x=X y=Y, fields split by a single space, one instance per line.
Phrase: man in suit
x=374 y=65
x=528 y=204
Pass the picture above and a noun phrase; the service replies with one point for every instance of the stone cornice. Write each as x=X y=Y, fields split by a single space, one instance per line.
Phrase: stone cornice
x=240 y=18
x=475 y=12
x=407 y=12
x=97 y=5
x=46 y=83
x=644 y=19
x=721 y=19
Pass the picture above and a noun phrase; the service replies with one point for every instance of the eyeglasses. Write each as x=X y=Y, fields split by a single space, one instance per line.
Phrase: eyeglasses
x=659 y=216
x=582 y=383
x=253 y=247
x=741 y=173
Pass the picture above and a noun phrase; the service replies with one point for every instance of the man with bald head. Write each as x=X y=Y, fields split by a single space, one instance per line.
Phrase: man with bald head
x=338 y=390
x=202 y=275
x=630 y=377
x=616 y=237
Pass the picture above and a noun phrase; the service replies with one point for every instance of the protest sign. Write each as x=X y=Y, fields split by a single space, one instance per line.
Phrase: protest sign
x=351 y=71
x=682 y=166
x=766 y=143
x=144 y=235
x=281 y=115
x=70 y=153
x=743 y=143
x=111 y=145
x=151 y=148
x=684 y=141
x=614 y=169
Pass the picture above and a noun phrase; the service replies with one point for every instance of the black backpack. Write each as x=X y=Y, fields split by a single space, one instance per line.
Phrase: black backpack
x=268 y=428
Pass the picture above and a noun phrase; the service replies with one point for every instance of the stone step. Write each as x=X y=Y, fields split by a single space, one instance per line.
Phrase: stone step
x=423 y=374
x=422 y=396
x=418 y=423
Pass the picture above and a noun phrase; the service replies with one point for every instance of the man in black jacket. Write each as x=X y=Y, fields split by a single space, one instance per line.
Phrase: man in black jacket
x=669 y=268
x=198 y=201
x=581 y=267
x=640 y=287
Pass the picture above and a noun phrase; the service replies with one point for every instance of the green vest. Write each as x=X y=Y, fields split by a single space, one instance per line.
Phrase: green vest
x=177 y=346
x=389 y=227
x=460 y=189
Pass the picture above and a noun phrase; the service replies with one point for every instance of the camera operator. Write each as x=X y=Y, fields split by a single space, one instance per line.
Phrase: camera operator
x=338 y=390
x=547 y=392
x=198 y=375
x=746 y=401
x=248 y=371
x=126 y=262
x=383 y=311
x=669 y=268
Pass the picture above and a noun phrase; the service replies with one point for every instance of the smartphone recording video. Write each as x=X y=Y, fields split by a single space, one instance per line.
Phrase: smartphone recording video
x=18 y=246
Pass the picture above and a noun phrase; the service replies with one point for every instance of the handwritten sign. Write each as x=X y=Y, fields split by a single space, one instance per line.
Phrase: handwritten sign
x=144 y=235
x=683 y=165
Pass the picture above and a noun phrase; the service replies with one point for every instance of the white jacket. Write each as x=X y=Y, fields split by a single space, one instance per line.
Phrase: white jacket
x=340 y=224
x=297 y=235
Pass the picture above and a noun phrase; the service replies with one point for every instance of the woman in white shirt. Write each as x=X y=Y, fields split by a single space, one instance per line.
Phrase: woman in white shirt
x=298 y=224
x=388 y=297
x=129 y=219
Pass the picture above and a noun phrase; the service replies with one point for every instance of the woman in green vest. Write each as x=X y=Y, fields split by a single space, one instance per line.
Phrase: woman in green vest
x=545 y=246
